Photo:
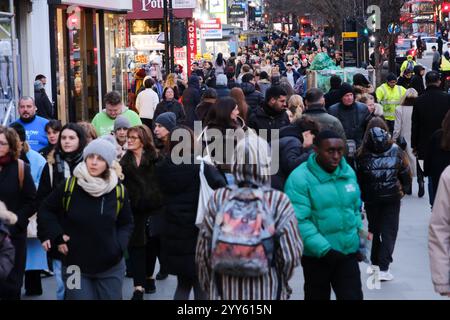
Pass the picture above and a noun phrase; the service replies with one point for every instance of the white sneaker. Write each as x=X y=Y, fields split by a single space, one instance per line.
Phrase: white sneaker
x=385 y=276
x=370 y=269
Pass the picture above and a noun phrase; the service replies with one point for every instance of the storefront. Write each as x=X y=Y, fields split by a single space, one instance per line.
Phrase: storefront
x=88 y=38
x=145 y=25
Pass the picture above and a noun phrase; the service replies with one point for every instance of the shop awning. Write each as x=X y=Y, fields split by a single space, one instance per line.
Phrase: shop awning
x=116 y=5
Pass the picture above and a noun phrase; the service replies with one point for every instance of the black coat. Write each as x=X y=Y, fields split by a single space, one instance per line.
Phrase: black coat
x=171 y=106
x=191 y=98
x=265 y=118
x=436 y=159
x=417 y=83
x=43 y=104
x=332 y=97
x=98 y=236
x=143 y=188
x=353 y=119
x=20 y=201
x=54 y=163
x=292 y=154
x=222 y=91
x=383 y=173
x=253 y=97
x=7 y=253
x=180 y=185
x=428 y=112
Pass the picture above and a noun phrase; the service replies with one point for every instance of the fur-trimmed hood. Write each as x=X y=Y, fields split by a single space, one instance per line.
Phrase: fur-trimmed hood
x=7 y=216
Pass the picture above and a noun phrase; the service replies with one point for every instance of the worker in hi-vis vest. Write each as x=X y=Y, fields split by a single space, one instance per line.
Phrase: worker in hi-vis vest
x=389 y=95
x=445 y=68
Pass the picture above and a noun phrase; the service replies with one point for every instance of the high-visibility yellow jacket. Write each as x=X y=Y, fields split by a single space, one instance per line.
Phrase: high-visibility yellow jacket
x=405 y=64
x=445 y=64
x=389 y=98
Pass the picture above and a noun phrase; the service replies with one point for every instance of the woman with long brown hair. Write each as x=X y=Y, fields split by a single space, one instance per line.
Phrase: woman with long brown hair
x=18 y=192
x=138 y=165
x=238 y=95
x=438 y=156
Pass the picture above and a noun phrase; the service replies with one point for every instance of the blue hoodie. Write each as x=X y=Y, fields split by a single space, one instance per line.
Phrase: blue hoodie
x=36 y=135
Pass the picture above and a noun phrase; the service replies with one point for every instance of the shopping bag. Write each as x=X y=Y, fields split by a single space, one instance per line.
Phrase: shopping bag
x=204 y=195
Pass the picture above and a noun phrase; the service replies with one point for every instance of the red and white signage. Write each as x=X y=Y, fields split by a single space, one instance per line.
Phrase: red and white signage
x=192 y=44
x=153 y=9
x=211 y=24
x=211 y=29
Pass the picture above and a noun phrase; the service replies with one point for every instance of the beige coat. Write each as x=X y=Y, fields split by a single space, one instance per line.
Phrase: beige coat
x=439 y=236
x=402 y=127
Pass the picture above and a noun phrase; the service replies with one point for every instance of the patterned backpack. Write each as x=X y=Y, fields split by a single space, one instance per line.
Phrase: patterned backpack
x=243 y=236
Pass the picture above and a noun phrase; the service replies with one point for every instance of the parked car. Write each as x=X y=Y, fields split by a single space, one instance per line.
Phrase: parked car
x=432 y=41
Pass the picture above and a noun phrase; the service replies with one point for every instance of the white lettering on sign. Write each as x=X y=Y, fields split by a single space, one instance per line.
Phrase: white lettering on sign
x=152 y=4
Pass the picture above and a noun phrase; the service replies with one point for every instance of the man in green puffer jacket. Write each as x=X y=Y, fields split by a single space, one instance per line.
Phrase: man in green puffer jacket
x=326 y=198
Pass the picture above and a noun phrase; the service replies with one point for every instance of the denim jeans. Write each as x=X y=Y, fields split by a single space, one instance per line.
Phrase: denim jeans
x=57 y=269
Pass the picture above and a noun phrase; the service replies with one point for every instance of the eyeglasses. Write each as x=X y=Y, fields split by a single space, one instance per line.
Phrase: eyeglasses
x=133 y=138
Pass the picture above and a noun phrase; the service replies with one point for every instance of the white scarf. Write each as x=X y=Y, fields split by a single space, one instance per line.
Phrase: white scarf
x=95 y=186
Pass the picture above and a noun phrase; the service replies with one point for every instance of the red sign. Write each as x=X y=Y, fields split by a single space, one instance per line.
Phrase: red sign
x=192 y=44
x=212 y=24
x=153 y=9
x=446 y=7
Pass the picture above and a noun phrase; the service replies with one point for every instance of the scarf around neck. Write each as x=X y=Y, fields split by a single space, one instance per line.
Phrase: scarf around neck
x=95 y=186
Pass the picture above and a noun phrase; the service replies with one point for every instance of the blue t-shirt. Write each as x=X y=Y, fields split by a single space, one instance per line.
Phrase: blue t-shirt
x=36 y=135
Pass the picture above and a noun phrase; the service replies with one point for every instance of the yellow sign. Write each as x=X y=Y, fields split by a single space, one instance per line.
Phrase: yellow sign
x=349 y=34
x=207 y=56
x=141 y=59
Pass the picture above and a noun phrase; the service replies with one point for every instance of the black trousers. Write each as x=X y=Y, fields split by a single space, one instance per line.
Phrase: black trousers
x=33 y=283
x=343 y=276
x=10 y=289
x=143 y=260
x=184 y=287
x=383 y=223
x=390 y=124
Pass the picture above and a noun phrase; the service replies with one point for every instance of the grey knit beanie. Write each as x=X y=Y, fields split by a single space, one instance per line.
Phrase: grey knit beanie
x=168 y=120
x=103 y=148
x=121 y=122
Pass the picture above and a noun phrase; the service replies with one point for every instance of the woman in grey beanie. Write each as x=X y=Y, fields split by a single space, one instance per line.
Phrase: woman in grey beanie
x=89 y=219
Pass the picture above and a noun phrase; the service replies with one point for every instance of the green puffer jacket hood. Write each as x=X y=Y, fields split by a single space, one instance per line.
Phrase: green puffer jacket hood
x=327 y=206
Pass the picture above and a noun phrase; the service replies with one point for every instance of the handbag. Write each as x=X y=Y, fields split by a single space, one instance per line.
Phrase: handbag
x=205 y=194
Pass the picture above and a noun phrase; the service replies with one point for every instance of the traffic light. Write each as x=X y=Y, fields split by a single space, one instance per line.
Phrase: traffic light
x=179 y=34
x=366 y=32
x=446 y=7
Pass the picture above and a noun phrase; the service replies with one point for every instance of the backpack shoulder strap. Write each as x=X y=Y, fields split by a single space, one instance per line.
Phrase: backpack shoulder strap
x=120 y=195
x=21 y=168
x=68 y=190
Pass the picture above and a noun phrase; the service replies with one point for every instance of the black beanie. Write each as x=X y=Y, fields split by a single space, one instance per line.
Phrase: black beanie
x=345 y=88
x=391 y=77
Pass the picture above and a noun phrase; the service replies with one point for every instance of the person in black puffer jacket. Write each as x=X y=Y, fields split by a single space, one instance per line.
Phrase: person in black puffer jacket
x=296 y=141
x=180 y=186
x=170 y=104
x=383 y=174
x=7 y=251
x=253 y=97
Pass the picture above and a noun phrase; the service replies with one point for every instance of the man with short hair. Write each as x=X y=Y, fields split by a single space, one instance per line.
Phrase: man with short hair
x=146 y=103
x=103 y=121
x=41 y=78
x=428 y=112
x=314 y=104
x=273 y=114
x=389 y=95
x=351 y=114
x=253 y=97
x=291 y=75
x=436 y=59
x=34 y=125
x=326 y=198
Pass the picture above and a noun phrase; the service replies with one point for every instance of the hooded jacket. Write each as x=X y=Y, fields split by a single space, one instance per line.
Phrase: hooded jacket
x=288 y=248
x=438 y=235
x=191 y=98
x=253 y=97
x=327 y=206
x=417 y=80
x=383 y=171
x=292 y=154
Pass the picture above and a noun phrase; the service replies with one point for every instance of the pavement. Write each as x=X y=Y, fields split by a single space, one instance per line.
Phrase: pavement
x=410 y=267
